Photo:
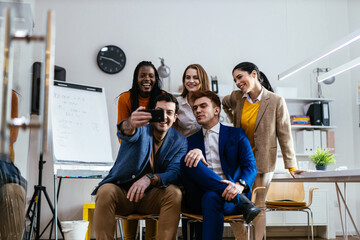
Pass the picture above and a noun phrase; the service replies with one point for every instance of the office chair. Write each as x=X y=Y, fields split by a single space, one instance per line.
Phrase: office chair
x=289 y=196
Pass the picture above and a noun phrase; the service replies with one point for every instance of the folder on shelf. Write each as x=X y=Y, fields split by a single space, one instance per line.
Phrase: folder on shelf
x=324 y=139
x=317 y=139
x=305 y=142
x=325 y=114
x=331 y=141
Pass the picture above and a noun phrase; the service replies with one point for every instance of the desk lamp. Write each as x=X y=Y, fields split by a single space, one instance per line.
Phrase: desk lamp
x=327 y=81
x=164 y=73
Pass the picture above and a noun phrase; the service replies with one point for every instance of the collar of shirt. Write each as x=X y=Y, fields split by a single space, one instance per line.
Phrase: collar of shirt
x=215 y=129
x=258 y=99
x=183 y=101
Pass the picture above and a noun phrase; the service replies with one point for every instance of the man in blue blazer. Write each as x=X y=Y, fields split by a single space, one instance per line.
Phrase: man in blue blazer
x=219 y=169
x=146 y=169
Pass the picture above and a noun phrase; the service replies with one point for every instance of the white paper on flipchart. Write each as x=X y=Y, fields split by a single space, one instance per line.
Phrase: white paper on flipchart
x=80 y=126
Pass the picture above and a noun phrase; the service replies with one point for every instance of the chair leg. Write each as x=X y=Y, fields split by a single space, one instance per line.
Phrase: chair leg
x=308 y=223
x=188 y=229
x=141 y=223
x=121 y=229
x=116 y=232
x=312 y=224
x=264 y=234
x=248 y=231
x=253 y=231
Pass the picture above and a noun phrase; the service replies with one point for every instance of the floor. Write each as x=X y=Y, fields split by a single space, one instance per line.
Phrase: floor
x=301 y=238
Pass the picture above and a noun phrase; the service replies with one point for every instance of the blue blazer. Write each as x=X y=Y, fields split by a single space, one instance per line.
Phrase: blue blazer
x=135 y=152
x=236 y=156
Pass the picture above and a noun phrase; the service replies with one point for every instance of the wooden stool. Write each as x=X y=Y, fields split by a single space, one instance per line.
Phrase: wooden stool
x=87 y=207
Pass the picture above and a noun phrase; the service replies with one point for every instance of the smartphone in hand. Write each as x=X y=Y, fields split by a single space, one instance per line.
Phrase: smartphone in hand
x=157 y=115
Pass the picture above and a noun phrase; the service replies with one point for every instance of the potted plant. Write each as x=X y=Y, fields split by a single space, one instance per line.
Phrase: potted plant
x=321 y=158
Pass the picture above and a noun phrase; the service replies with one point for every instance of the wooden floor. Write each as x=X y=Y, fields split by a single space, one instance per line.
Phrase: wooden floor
x=300 y=238
x=297 y=238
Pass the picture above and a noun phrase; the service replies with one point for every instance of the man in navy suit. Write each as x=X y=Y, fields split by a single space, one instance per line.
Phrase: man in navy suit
x=144 y=175
x=219 y=169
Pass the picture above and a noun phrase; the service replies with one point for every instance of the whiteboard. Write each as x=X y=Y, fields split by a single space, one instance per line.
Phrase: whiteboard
x=80 y=124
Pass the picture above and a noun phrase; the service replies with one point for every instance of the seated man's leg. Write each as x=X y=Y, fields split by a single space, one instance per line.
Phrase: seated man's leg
x=12 y=211
x=208 y=180
x=213 y=213
x=192 y=204
x=203 y=177
x=110 y=200
x=167 y=203
x=214 y=207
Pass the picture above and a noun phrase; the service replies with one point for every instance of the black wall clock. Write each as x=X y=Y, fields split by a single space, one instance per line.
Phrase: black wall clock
x=111 y=59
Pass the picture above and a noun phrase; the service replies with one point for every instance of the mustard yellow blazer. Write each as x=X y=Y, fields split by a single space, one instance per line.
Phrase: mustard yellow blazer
x=272 y=122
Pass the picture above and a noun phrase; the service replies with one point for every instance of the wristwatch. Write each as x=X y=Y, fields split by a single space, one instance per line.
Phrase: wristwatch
x=150 y=176
x=244 y=184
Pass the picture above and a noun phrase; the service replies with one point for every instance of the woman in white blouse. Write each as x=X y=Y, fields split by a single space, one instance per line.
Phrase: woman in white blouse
x=194 y=79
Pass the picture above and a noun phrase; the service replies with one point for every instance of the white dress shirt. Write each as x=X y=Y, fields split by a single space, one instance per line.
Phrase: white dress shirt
x=258 y=99
x=211 y=140
x=186 y=119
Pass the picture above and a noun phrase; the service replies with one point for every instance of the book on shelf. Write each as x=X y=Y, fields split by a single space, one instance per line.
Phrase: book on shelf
x=300 y=120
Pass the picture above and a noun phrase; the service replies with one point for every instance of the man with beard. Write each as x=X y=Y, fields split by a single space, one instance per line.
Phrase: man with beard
x=146 y=169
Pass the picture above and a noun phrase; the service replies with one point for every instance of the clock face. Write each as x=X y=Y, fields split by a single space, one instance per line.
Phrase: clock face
x=111 y=59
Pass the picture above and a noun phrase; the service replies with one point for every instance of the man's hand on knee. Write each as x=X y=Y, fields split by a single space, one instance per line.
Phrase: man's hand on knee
x=136 y=191
x=193 y=157
x=231 y=190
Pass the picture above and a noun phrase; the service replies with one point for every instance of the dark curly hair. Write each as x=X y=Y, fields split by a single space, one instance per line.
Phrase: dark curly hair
x=134 y=91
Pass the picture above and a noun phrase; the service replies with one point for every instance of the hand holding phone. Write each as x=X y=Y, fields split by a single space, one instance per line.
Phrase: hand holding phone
x=157 y=115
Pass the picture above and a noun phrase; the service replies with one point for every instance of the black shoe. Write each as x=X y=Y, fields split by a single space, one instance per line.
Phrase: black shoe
x=248 y=208
x=251 y=213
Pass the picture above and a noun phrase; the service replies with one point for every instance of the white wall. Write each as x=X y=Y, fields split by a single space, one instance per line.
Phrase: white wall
x=217 y=34
x=354 y=24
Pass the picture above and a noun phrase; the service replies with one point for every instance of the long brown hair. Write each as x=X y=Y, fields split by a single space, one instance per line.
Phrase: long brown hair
x=203 y=77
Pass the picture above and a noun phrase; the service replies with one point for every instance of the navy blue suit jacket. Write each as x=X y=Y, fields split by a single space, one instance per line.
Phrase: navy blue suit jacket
x=135 y=152
x=236 y=156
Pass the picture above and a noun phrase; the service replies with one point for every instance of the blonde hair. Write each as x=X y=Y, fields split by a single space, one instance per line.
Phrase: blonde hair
x=203 y=77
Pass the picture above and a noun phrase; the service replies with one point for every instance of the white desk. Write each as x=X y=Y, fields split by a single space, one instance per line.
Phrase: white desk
x=341 y=176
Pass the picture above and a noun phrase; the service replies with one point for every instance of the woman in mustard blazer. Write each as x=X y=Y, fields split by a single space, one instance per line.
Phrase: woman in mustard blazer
x=265 y=119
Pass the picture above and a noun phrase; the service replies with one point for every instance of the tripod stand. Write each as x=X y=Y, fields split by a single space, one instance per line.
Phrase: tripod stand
x=35 y=208
x=47 y=75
